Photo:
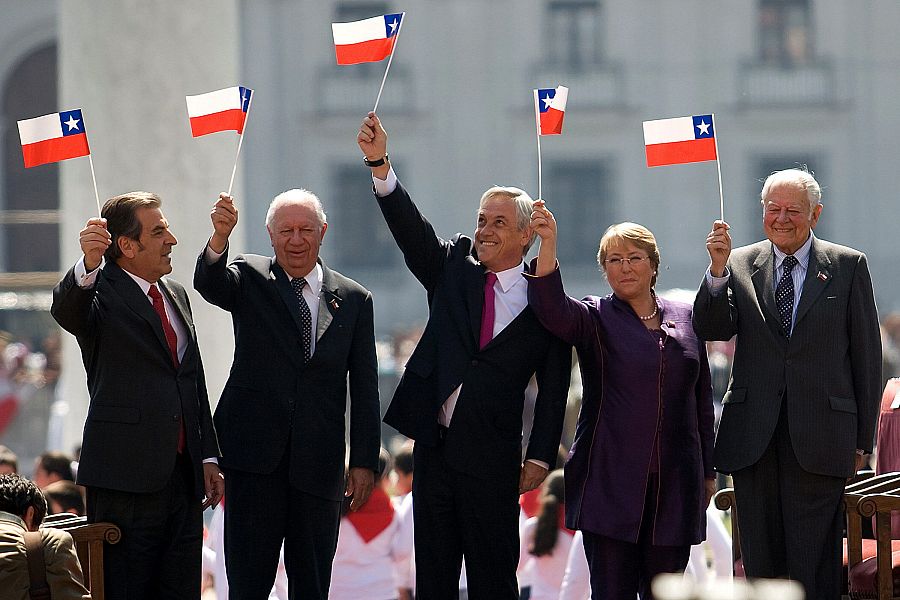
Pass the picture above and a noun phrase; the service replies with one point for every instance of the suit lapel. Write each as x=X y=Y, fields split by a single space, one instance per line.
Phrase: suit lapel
x=817 y=278
x=474 y=286
x=282 y=283
x=180 y=304
x=137 y=301
x=329 y=302
x=763 y=282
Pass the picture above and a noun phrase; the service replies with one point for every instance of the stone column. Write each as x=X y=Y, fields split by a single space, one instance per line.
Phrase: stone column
x=129 y=64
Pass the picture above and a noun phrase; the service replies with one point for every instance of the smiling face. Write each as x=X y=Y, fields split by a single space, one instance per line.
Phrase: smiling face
x=787 y=218
x=628 y=281
x=498 y=240
x=149 y=256
x=296 y=235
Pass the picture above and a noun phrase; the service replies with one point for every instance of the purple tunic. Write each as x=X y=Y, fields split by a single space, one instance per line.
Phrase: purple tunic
x=640 y=389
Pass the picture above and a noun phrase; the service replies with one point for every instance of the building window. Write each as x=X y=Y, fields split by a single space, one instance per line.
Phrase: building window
x=346 y=12
x=580 y=194
x=29 y=205
x=763 y=167
x=358 y=237
x=785 y=32
x=573 y=38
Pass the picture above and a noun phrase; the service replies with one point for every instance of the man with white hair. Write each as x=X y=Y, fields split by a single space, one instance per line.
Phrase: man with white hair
x=800 y=409
x=302 y=332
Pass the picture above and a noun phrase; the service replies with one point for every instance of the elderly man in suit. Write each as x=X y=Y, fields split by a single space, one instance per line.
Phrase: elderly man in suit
x=302 y=332
x=462 y=394
x=800 y=409
x=149 y=447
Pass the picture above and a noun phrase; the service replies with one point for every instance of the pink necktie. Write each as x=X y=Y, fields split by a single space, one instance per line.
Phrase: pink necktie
x=487 y=311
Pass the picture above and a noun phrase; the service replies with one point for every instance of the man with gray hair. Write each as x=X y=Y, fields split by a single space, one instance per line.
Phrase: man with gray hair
x=302 y=332
x=799 y=414
x=463 y=392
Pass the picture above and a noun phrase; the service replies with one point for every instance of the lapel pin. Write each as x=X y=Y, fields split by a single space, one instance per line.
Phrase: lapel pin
x=334 y=304
x=822 y=276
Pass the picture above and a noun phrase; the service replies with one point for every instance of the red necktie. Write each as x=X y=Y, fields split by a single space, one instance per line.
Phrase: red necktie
x=487 y=311
x=171 y=339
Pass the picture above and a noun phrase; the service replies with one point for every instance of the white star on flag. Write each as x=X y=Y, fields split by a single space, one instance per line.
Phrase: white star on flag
x=703 y=127
x=393 y=26
x=547 y=100
x=72 y=123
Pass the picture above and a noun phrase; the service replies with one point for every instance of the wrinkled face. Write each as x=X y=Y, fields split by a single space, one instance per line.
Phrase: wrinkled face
x=499 y=242
x=786 y=217
x=149 y=257
x=296 y=236
x=627 y=280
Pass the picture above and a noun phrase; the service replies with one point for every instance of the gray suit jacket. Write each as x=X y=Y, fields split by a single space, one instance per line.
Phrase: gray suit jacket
x=829 y=369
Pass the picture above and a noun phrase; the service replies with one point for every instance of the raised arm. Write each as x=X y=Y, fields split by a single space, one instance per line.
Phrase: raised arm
x=73 y=297
x=714 y=318
x=212 y=279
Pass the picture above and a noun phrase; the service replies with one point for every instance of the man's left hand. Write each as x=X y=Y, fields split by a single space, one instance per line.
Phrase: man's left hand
x=214 y=484
x=532 y=475
x=360 y=482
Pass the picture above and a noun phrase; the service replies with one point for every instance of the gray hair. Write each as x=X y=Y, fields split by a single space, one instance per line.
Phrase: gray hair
x=523 y=203
x=296 y=196
x=802 y=178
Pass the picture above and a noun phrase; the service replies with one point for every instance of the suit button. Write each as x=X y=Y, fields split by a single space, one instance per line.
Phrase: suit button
x=475 y=362
x=788 y=362
x=175 y=417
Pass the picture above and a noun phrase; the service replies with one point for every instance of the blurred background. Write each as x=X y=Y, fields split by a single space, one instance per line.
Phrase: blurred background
x=811 y=82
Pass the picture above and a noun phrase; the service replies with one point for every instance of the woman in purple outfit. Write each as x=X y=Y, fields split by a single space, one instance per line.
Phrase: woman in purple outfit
x=639 y=474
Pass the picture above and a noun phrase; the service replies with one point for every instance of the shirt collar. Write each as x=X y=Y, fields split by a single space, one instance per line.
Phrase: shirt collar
x=510 y=278
x=802 y=254
x=145 y=285
x=313 y=278
x=7 y=516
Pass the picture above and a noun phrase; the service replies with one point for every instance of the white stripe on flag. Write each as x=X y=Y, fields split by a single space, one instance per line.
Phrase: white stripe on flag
x=358 y=31
x=213 y=102
x=559 y=100
x=662 y=131
x=40 y=128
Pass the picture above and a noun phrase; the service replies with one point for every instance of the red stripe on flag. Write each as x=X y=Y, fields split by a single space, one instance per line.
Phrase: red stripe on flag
x=55 y=149
x=552 y=121
x=369 y=51
x=227 y=120
x=676 y=153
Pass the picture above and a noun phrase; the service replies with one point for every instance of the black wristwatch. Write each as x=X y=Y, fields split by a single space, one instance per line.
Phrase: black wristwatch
x=375 y=163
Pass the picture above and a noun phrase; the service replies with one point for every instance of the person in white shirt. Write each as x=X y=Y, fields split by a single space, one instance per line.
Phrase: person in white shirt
x=545 y=543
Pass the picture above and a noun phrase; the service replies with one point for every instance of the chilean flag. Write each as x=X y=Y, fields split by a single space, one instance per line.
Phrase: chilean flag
x=551 y=109
x=680 y=140
x=53 y=138
x=222 y=110
x=369 y=40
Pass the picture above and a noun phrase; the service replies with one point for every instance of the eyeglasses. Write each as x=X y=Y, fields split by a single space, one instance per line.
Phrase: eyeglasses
x=631 y=260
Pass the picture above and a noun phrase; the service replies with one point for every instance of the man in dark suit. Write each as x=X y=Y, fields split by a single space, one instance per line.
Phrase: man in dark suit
x=302 y=331
x=462 y=394
x=149 y=447
x=800 y=409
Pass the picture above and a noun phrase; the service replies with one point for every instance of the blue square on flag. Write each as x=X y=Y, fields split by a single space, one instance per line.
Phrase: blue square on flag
x=544 y=97
x=391 y=24
x=245 y=97
x=71 y=122
x=703 y=126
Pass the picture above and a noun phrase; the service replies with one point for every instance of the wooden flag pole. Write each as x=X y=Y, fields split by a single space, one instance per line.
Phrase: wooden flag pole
x=240 y=141
x=390 y=59
x=718 y=169
x=537 y=122
x=94 y=179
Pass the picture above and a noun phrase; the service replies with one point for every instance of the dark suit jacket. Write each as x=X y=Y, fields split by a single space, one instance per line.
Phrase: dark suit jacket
x=271 y=398
x=138 y=397
x=485 y=435
x=829 y=369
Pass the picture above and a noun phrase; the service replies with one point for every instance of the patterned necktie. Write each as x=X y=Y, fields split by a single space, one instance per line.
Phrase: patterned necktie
x=171 y=340
x=784 y=294
x=305 y=316
x=487 y=311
